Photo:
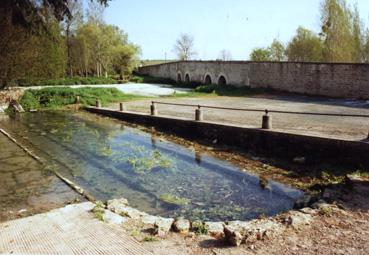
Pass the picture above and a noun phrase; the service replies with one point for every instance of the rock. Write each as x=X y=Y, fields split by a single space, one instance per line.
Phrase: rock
x=181 y=225
x=162 y=226
x=299 y=160
x=233 y=235
x=297 y=219
x=113 y=218
x=116 y=203
x=321 y=203
x=237 y=232
x=303 y=202
x=308 y=210
x=215 y=229
x=149 y=219
x=120 y=207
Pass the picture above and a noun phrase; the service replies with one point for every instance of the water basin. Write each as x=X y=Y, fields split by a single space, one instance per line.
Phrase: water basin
x=112 y=160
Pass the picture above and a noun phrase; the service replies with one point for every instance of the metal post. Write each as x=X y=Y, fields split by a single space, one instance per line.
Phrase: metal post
x=122 y=107
x=198 y=114
x=98 y=104
x=267 y=121
x=154 y=110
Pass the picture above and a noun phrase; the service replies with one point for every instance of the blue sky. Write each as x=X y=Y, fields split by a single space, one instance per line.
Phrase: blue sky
x=235 y=25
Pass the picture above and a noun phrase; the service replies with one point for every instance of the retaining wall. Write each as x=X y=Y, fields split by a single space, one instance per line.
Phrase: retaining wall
x=266 y=142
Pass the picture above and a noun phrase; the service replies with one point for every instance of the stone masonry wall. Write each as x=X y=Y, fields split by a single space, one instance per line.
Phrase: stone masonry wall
x=322 y=79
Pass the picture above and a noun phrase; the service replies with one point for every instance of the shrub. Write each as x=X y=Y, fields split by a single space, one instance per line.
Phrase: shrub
x=62 y=96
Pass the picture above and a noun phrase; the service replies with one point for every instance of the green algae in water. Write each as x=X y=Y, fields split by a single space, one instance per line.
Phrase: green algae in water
x=174 y=200
x=110 y=160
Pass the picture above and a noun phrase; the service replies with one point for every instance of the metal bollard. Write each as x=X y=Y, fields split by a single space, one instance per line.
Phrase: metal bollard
x=98 y=104
x=198 y=114
x=267 y=121
x=78 y=99
x=154 y=110
x=122 y=107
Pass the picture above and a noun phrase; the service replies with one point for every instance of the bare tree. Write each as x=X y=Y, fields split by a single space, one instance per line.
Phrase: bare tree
x=225 y=55
x=184 y=47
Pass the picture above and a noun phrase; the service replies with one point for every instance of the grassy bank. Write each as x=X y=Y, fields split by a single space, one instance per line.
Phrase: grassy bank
x=66 y=81
x=59 y=97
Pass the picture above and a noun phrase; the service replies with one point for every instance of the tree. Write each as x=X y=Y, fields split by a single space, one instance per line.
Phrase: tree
x=336 y=31
x=277 y=51
x=31 y=43
x=358 y=39
x=70 y=24
x=184 y=47
x=225 y=55
x=261 y=54
x=29 y=13
x=104 y=48
x=366 y=47
x=305 y=46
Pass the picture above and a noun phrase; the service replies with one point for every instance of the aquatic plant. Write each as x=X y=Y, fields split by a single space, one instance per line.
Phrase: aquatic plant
x=174 y=200
x=145 y=163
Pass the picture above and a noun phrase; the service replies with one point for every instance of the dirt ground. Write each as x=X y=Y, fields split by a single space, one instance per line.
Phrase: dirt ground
x=348 y=128
x=340 y=231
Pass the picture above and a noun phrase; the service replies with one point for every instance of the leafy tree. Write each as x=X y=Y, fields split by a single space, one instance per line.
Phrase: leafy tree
x=366 y=47
x=305 y=46
x=70 y=25
x=358 y=39
x=261 y=54
x=336 y=31
x=277 y=51
x=184 y=47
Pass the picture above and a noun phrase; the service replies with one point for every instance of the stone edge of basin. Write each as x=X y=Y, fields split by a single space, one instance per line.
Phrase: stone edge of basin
x=270 y=142
x=235 y=232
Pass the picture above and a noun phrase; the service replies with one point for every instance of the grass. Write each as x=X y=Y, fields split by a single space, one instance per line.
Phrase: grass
x=150 y=239
x=200 y=228
x=99 y=211
x=230 y=90
x=63 y=96
x=66 y=81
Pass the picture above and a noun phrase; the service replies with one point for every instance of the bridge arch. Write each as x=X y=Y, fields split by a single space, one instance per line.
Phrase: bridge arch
x=187 y=78
x=208 y=80
x=179 y=77
x=222 y=80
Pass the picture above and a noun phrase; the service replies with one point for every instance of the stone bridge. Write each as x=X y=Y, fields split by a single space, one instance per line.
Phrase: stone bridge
x=322 y=79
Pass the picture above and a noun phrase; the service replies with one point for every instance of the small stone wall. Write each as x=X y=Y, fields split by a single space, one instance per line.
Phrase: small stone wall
x=342 y=80
x=269 y=143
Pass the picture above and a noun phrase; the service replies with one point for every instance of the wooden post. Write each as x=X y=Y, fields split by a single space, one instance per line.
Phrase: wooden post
x=153 y=108
x=98 y=104
x=122 y=107
x=267 y=121
x=198 y=114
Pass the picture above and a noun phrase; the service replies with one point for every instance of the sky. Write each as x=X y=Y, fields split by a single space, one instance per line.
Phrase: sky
x=235 y=25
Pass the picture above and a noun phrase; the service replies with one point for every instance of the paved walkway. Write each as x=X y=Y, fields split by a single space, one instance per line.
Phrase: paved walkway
x=70 y=230
x=347 y=128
